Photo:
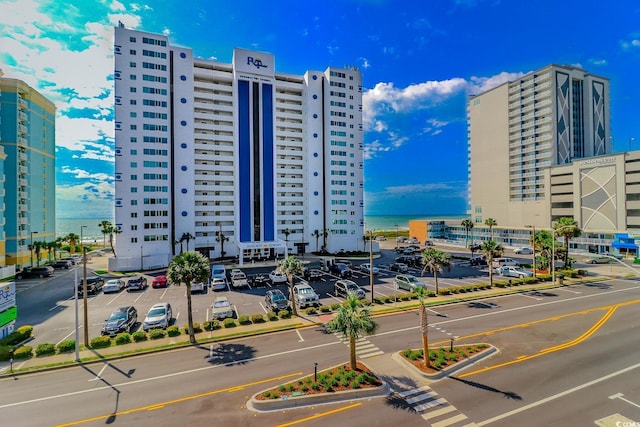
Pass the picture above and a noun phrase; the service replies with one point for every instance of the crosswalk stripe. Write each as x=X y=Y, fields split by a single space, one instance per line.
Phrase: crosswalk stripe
x=430 y=404
x=421 y=397
x=375 y=353
x=438 y=412
x=414 y=391
x=449 y=421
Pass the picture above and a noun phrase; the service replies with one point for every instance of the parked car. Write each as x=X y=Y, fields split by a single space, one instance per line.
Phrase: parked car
x=367 y=268
x=218 y=272
x=277 y=277
x=234 y=271
x=598 y=259
x=311 y=274
x=399 y=250
x=62 y=264
x=513 y=271
x=399 y=267
x=221 y=308
x=158 y=316
x=113 y=285
x=122 y=319
x=345 y=287
x=611 y=255
x=502 y=262
x=239 y=280
x=428 y=243
x=72 y=260
x=401 y=239
x=475 y=247
x=408 y=282
x=345 y=262
x=275 y=300
x=138 y=283
x=260 y=279
x=40 y=272
x=94 y=285
x=159 y=282
x=525 y=250
x=408 y=251
x=341 y=270
x=478 y=260
x=381 y=238
x=200 y=287
x=305 y=296
x=219 y=284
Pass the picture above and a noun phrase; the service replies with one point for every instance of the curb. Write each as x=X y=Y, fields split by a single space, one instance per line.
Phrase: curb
x=449 y=370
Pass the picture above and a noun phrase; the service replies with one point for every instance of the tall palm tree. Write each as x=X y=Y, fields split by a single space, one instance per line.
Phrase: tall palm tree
x=316 y=234
x=51 y=248
x=424 y=326
x=186 y=237
x=290 y=266
x=221 y=238
x=541 y=242
x=468 y=226
x=491 y=250
x=568 y=228
x=105 y=227
x=37 y=249
x=72 y=239
x=188 y=268
x=435 y=261
x=286 y=233
x=113 y=230
x=490 y=222
x=324 y=233
x=352 y=320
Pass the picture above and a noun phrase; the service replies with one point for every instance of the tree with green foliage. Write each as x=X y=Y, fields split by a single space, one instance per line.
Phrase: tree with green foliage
x=491 y=250
x=38 y=246
x=72 y=239
x=186 y=237
x=188 y=268
x=290 y=266
x=468 y=226
x=351 y=321
x=104 y=229
x=424 y=326
x=316 y=234
x=568 y=228
x=541 y=242
x=490 y=222
x=435 y=261
x=108 y=229
x=51 y=248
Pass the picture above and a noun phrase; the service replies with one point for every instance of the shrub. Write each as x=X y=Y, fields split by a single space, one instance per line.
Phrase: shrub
x=229 y=323
x=45 y=349
x=257 y=318
x=378 y=300
x=284 y=314
x=173 y=331
x=335 y=306
x=24 y=352
x=100 y=342
x=272 y=316
x=4 y=352
x=67 y=346
x=244 y=320
x=139 y=336
x=388 y=299
x=196 y=328
x=123 y=338
x=311 y=310
x=444 y=291
x=325 y=309
x=17 y=336
x=156 y=334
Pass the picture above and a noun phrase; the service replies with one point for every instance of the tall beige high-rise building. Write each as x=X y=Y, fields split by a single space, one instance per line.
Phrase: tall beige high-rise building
x=519 y=129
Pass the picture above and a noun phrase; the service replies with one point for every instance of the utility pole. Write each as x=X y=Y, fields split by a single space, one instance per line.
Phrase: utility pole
x=371 y=263
x=31 y=247
x=84 y=288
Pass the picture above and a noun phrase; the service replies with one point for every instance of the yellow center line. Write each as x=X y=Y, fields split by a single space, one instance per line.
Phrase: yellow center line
x=323 y=414
x=160 y=405
x=576 y=341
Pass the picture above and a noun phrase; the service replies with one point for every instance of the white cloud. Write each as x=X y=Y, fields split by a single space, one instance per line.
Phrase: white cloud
x=482 y=84
x=632 y=42
x=365 y=63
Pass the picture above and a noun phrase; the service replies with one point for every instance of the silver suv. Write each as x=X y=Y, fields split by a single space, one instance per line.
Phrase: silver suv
x=159 y=316
x=408 y=282
x=305 y=296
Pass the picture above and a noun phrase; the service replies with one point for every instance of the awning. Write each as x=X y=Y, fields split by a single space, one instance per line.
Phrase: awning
x=621 y=245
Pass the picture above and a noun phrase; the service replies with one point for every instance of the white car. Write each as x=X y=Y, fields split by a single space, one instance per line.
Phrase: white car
x=113 y=285
x=218 y=284
x=221 y=308
x=277 y=277
x=513 y=271
x=199 y=287
x=366 y=267
x=524 y=251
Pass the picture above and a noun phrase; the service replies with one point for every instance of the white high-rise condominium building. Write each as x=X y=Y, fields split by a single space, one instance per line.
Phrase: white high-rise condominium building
x=232 y=158
x=519 y=129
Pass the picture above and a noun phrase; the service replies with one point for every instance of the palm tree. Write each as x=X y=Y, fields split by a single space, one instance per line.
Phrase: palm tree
x=221 y=238
x=51 y=248
x=567 y=227
x=468 y=226
x=72 y=239
x=424 y=326
x=105 y=226
x=113 y=231
x=316 y=234
x=286 y=233
x=324 y=233
x=435 y=261
x=290 y=266
x=490 y=222
x=37 y=248
x=187 y=268
x=491 y=250
x=186 y=237
x=541 y=242
x=352 y=320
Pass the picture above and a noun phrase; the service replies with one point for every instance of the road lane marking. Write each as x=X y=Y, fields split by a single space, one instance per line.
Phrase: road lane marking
x=300 y=336
x=178 y=400
x=320 y=415
x=99 y=374
x=558 y=395
x=619 y=396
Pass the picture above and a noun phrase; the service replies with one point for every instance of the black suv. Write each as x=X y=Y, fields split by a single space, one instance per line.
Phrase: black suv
x=40 y=272
x=275 y=300
x=94 y=285
x=122 y=319
x=260 y=279
x=137 y=284
x=62 y=264
x=341 y=270
x=311 y=275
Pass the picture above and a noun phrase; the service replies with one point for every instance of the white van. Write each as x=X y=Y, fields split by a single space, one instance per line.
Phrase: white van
x=218 y=272
x=502 y=262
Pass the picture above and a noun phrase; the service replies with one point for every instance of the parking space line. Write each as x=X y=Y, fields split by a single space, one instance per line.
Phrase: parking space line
x=300 y=336
x=235 y=307
x=139 y=296
x=115 y=298
x=164 y=293
x=263 y=307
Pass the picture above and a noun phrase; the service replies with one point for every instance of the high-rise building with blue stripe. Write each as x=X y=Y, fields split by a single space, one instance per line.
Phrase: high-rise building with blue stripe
x=232 y=159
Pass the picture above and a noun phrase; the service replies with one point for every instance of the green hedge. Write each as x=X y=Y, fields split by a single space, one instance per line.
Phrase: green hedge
x=257 y=318
x=45 y=349
x=24 y=352
x=229 y=323
x=123 y=338
x=156 y=334
x=67 y=346
x=17 y=336
x=284 y=314
x=100 y=342
x=139 y=336
x=272 y=316
x=174 y=331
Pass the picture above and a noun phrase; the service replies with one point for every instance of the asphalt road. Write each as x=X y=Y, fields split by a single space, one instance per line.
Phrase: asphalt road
x=566 y=357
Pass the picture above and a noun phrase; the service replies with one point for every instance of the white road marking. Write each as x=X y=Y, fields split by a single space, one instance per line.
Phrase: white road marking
x=99 y=375
x=299 y=336
x=619 y=396
x=164 y=293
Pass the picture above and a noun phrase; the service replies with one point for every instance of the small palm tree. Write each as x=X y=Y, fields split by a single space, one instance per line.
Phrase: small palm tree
x=186 y=237
x=37 y=249
x=188 y=268
x=435 y=261
x=290 y=266
x=424 y=326
x=352 y=320
x=568 y=228
x=112 y=232
x=51 y=248
x=542 y=244
x=105 y=226
x=316 y=234
x=286 y=233
x=490 y=222
x=491 y=250
x=72 y=239
x=468 y=226
x=221 y=238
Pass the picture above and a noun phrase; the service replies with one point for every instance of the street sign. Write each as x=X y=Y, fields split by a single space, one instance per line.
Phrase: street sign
x=7 y=296
x=8 y=316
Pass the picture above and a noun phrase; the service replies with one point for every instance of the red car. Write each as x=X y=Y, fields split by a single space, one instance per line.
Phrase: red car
x=159 y=282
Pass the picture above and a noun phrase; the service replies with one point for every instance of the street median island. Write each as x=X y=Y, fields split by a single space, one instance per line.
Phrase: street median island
x=335 y=384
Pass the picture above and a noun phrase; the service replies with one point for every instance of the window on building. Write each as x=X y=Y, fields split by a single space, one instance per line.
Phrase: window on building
x=132 y=39
x=132 y=52
x=132 y=89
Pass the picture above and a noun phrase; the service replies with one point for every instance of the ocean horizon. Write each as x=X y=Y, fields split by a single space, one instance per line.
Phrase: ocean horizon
x=389 y=222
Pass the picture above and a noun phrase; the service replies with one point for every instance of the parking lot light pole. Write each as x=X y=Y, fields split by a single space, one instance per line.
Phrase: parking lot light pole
x=371 y=263
x=31 y=247
x=84 y=288
x=533 y=246
x=396 y=225
x=75 y=293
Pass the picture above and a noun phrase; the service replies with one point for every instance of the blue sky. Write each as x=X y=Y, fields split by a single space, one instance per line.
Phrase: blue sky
x=420 y=61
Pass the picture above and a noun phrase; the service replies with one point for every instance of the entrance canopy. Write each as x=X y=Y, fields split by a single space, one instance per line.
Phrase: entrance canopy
x=261 y=249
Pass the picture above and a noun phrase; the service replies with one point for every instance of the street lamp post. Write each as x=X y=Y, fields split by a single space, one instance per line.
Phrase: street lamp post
x=31 y=247
x=371 y=263
x=533 y=246
x=84 y=288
